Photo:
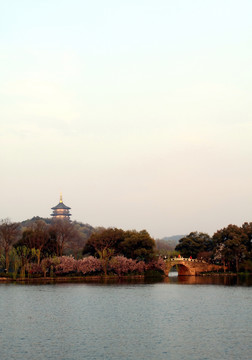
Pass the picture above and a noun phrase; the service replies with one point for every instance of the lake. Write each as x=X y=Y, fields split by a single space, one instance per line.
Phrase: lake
x=179 y=318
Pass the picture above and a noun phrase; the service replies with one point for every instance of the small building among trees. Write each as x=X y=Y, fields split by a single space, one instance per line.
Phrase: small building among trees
x=61 y=211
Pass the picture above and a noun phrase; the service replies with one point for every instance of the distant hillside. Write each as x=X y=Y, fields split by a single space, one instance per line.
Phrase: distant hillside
x=85 y=229
x=168 y=242
x=173 y=238
x=29 y=222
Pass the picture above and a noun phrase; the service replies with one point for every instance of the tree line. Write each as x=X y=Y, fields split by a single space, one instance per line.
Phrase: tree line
x=230 y=246
x=47 y=239
x=42 y=247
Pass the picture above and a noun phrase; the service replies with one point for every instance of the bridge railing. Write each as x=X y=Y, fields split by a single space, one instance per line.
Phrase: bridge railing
x=186 y=259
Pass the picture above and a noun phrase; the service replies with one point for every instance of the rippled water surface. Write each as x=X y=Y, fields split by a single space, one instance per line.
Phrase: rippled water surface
x=170 y=320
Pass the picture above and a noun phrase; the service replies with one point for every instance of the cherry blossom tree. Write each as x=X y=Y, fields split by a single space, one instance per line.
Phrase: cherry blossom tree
x=156 y=264
x=122 y=265
x=89 y=265
x=67 y=264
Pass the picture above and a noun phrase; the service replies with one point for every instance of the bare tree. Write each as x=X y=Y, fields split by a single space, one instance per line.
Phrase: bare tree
x=9 y=233
x=64 y=231
x=40 y=236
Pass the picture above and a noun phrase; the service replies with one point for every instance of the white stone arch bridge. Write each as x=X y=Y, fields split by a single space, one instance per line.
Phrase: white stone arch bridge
x=187 y=266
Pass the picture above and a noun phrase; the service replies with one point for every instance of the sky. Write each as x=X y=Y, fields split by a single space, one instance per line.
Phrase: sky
x=138 y=111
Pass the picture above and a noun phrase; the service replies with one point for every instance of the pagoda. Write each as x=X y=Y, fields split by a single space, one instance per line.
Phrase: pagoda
x=61 y=211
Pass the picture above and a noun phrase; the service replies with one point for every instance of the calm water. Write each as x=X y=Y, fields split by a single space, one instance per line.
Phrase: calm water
x=176 y=319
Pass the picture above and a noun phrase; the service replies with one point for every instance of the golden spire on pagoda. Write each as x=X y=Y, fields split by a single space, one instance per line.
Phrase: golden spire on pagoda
x=61 y=201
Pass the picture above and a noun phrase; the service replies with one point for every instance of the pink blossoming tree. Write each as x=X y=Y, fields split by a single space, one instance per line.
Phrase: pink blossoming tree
x=122 y=266
x=89 y=265
x=67 y=264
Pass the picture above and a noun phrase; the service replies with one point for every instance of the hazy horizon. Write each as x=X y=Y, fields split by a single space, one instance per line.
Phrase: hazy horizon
x=139 y=112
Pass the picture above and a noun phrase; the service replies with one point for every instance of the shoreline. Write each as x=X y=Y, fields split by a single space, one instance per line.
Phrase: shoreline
x=73 y=279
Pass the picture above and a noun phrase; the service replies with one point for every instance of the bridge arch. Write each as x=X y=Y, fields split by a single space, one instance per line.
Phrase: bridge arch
x=182 y=269
x=190 y=266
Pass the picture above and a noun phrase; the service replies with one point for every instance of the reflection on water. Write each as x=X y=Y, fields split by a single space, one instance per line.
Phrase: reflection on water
x=241 y=280
x=173 y=278
x=173 y=274
x=210 y=280
x=178 y=318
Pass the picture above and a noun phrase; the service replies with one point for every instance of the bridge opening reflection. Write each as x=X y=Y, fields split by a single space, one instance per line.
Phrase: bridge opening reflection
x=178 y=270
x=173 y=271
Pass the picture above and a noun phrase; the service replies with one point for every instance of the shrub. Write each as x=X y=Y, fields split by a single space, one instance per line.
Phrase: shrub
x=35 y=269
x=49 y=265
x=122 y=265
x=67 y=264
x=89 y=265
x=156 y=265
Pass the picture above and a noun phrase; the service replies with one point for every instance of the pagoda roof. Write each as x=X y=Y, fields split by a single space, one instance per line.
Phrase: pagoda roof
x=61 y=215
x=61 y=205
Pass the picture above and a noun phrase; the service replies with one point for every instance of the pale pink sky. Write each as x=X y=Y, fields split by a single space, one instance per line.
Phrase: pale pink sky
x=139 y=112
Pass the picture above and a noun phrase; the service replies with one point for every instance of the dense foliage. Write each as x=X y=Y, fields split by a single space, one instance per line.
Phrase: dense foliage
x=112 y=241
x=23 y=263
x=230 y=246
x=73 y=244
x=53 y=247
x=195 y=244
